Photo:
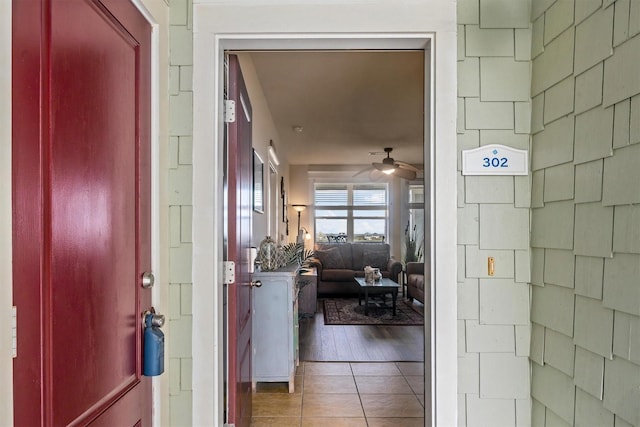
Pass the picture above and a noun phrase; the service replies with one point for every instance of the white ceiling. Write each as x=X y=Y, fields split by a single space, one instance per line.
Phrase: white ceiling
x=348 y=103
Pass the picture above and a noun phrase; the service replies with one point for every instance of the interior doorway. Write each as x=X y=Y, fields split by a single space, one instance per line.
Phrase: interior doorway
x=334 y=112
x=447 y=398
x=400 y=211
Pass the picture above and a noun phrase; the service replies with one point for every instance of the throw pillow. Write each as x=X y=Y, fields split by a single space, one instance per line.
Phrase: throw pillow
x=376 y=259
x=330 y=258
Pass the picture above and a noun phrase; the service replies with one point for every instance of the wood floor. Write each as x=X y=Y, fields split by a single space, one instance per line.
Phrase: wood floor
x=359 y=343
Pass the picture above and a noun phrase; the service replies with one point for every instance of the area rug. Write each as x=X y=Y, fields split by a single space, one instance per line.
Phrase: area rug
x=346 y=311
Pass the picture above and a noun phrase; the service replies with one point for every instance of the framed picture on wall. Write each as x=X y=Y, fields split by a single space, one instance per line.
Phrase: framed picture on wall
x=258 y=183
x=284 y=212
x=283 y=195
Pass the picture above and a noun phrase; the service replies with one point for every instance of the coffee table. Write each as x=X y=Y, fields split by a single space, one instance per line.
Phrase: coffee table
x=382 y=286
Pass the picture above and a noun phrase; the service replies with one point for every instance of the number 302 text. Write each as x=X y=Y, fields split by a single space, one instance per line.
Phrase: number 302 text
x=495 y=162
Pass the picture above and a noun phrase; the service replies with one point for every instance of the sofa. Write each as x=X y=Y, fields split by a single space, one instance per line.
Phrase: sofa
x=338 y=264
x=415 y=281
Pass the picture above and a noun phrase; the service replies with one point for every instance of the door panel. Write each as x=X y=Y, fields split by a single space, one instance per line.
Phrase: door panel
x=239 y=186
x=92 y=179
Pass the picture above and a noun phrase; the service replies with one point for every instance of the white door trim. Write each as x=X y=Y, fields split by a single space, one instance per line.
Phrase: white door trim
x=160 y=292
x=6 y=274
x=220 y=27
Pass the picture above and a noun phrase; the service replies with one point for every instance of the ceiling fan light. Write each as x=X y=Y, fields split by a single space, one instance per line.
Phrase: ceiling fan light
x=385 y=167
x=388 y=167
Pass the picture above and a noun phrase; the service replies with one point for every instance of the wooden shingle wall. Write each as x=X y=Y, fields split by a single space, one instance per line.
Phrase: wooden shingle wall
x=585 y=217
x=554 y=337
x=580 y=59
x=494 y=105
x=179 y=319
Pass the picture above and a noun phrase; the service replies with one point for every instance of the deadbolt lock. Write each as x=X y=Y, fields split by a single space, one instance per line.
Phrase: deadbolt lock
x=148 y=279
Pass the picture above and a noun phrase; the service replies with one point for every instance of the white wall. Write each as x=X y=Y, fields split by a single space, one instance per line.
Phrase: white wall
x=215 y=24
x=300 y=193
x=263 y=130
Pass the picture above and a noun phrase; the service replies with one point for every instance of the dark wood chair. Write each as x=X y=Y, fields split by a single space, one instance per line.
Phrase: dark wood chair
x=337 y=238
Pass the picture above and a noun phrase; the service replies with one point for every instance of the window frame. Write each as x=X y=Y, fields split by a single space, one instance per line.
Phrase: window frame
x=350 y=208
x=415 y=217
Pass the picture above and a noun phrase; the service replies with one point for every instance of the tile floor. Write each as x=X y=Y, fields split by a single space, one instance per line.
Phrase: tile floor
x=341 y=394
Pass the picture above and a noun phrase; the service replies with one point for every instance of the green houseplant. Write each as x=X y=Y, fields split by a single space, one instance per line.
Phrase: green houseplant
x=412 y=249
x=295 y=253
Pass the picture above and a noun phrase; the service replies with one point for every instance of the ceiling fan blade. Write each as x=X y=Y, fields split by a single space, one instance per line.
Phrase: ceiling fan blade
x=409 y=166
x=367 y=169
x=376 y=175
x=405 y=174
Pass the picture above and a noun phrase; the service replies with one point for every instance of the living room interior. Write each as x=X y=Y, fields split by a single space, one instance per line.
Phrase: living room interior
x=342 y=118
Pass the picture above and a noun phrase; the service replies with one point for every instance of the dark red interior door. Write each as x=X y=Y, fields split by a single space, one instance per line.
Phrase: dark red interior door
x=81 y=162
x=239 y=192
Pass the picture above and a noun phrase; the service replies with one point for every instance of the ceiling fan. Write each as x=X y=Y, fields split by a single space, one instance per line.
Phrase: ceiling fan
x=391 y=167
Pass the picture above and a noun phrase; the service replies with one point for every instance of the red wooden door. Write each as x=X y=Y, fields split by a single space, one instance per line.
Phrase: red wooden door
x=239 y=205
x=81 y=204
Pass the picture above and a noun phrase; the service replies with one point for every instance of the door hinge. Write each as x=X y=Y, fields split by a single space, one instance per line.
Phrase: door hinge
x=229 y=111
x=14 y=330
x=228 y=272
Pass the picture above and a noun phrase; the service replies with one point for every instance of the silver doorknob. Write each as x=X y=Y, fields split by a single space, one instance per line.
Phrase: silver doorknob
x=157 y=320
x=153 y=318
x=256 y=284
x=148 y=279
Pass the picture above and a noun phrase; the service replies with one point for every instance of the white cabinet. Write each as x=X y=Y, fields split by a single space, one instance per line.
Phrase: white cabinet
x=275 y=327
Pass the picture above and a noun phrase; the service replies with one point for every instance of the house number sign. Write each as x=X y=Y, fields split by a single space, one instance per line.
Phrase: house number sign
x=495 y=159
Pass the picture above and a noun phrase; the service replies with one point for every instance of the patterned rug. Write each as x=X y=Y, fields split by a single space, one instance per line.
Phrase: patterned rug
x=346 y=311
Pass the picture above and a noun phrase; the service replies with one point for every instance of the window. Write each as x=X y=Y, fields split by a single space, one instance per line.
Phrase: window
x=415 y=225
x=351 y=212
x=416 y=205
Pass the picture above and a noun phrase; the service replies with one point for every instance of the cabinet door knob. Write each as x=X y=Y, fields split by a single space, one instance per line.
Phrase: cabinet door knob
x=256 y=284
